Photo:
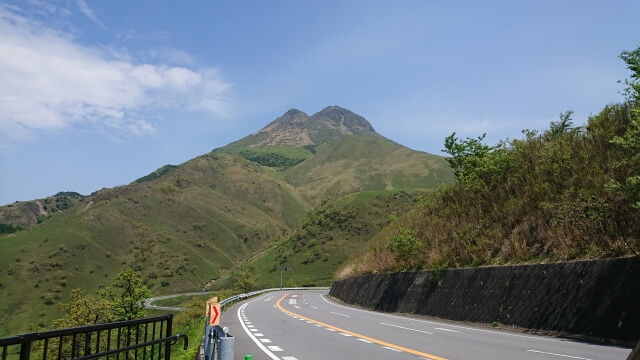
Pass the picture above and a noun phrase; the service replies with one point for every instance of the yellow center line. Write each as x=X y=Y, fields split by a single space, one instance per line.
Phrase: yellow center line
x=393 y=346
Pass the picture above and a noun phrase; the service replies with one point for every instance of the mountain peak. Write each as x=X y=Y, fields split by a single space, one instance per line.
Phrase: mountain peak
x=296 y=128
x=350 y=121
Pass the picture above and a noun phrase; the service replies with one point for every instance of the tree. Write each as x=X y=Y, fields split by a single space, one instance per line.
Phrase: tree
x=565 y=125
x=629 y=142
x=130 y=304
x=465 y=155
x=82 y=310
x=471 y=160
x=247 y=279
x=404 y=246
x=632 y=58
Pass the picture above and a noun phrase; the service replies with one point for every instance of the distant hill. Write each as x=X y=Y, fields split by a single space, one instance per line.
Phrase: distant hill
x=188 y=226
x=27 y=214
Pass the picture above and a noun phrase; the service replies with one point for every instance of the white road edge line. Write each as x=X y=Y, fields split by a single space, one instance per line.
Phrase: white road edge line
x=255 y=340
x=406 y=328
x=437 y=323
x=339 y=314
x=455 y=331
x=567 y=356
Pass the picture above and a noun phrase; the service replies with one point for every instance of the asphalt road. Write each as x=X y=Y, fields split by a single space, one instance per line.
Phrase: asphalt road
x=310 y=325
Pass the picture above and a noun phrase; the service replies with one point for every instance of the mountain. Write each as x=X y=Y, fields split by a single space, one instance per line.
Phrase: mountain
x=295 y=128
x=27 y=214
x=336 y=152
x=190 y=226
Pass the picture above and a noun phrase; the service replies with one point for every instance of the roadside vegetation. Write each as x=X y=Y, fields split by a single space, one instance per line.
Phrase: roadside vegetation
x=569 y=192
x=323 y=240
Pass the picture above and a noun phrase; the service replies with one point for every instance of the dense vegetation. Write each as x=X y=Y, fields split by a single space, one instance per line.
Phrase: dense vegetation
x=9 y=229
x=156 y=174
x=276 y=156
x=562 y=194
x=71 y=194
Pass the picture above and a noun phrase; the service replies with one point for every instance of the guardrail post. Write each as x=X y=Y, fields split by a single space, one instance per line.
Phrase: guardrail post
x=225 y=344
x=209 y=344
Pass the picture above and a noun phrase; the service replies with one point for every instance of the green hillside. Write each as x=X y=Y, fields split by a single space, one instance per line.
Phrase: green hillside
x=192 y=226
x=569 y=192
x=181 y=231
x=327 y=236
x=355 y=163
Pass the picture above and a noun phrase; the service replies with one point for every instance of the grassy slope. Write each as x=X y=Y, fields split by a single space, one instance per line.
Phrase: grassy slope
x=185 y=228
x=357 y=163
x=328 y=236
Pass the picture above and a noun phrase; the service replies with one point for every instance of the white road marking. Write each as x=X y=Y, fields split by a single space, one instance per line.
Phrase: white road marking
x=567 y=356
x=253 y=330
x=314 y=307
x=365 y=341
x=396 y=350
x=331 y=329
x=265 y=340
x=339 y=314
x=249 y=326
x=288 y=358
x=255 y=340
x=447 y=330
x=258 y=334
x=406 y=328
x=323 y=297
x=292 y=301
x=297 y=307
x=347 y=335
x=275 y=348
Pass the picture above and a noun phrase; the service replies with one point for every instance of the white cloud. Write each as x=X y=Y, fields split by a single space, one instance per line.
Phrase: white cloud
x=88 y=12
x=51 y=82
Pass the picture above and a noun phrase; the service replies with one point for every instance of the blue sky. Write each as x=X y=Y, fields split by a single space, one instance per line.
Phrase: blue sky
x=96 y=94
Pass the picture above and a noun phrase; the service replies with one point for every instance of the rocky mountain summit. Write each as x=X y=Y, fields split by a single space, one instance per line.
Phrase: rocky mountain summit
x=296 y=128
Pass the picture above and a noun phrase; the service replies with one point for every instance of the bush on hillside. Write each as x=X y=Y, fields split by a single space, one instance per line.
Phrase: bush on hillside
x=565 y=193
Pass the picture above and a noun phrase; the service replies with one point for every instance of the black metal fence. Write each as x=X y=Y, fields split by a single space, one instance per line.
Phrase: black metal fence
x=144 y=339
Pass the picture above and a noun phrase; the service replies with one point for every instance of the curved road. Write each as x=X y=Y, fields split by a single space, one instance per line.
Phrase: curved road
x=149 y=302
x=310 y=325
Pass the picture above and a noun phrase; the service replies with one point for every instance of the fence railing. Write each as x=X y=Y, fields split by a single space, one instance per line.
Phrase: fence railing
x=146 y=339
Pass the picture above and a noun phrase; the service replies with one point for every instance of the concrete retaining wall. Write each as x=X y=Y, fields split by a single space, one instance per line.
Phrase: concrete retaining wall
x=598 y=298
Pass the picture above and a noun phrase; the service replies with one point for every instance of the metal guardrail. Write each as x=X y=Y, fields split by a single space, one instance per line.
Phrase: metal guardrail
x=234 y=299
x=148 y=339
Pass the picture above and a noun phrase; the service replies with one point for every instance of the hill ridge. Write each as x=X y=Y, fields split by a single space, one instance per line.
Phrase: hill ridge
x=296 y=128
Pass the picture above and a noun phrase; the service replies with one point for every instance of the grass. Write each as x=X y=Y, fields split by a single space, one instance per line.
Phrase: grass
x=326 y=238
